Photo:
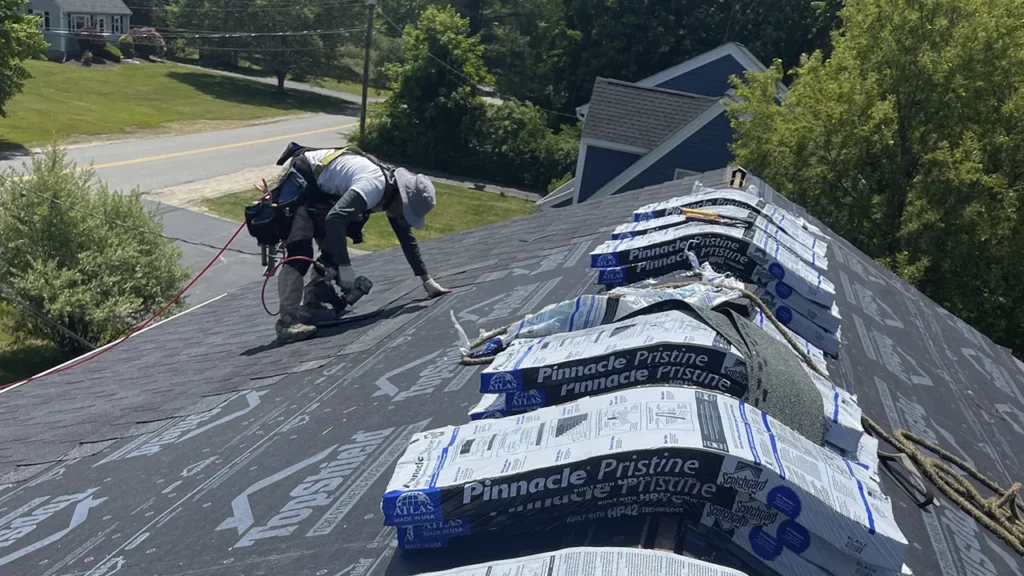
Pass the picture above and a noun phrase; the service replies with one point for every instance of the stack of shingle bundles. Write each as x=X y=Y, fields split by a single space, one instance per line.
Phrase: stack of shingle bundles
x=786 y=269
x=670 y=347
x=641 y=451
x=590 y=561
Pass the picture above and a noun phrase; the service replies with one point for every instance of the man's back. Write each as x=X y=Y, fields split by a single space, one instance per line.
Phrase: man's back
x=350 y=172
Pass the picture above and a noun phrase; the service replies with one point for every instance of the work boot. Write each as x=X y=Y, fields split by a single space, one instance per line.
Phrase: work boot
x=289 y=329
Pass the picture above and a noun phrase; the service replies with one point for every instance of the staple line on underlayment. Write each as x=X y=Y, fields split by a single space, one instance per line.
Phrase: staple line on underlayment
x=1000 y=514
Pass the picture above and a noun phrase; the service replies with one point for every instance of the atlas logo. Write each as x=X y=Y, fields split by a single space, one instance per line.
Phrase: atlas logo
x=612 y=275
x=607 y=261
x=527 y=398
x=413 y=504
x=502 y=383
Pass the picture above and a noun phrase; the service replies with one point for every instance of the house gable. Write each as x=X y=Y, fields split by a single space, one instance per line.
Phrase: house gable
x=715 y=138
x=704 y=150
x=599 y=166
x=711 y=79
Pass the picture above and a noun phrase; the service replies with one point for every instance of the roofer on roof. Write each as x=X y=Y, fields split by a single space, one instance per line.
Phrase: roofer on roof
x=349 y=186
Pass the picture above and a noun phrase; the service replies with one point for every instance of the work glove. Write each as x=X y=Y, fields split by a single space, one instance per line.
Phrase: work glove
x=346 y=278
x=433 y=288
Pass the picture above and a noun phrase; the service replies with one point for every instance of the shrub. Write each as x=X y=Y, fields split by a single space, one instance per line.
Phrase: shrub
x=90 y=39
x=126 y=45
x=148 y=42
x=76 y=266
x=87 y=58
x=110 y=52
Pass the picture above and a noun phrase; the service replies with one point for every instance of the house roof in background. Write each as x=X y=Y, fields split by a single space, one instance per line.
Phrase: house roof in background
x=734 y=49
x=94 y=7
x=193 y=436
x=639 y=117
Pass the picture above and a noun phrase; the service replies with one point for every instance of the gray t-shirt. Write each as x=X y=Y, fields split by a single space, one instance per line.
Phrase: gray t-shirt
x=350 y=172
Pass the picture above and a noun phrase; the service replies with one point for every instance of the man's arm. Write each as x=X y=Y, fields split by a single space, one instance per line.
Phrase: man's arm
x=411 y=249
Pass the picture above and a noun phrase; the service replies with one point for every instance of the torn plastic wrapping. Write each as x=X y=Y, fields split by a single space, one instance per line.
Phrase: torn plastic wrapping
x=657 y=449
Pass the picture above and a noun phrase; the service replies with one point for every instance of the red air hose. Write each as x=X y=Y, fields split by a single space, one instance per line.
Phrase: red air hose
x=269 y=275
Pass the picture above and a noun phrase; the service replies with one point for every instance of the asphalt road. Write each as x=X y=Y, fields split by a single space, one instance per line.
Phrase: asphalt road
x=156 y=163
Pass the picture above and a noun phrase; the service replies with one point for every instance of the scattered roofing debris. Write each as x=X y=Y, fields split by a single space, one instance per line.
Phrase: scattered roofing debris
x=200 y=446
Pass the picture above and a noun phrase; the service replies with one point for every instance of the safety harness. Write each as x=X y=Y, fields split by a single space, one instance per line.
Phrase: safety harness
x=270 y=219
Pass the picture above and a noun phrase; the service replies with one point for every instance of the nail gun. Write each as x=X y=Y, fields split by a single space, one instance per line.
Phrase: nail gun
x=324 y=290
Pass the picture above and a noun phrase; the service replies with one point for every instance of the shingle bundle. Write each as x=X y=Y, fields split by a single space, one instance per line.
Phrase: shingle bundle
x=658 y=448
x=739 y=234
x=676 y=393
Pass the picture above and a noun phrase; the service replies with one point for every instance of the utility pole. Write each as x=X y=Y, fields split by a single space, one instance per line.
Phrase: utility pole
x=371 y=8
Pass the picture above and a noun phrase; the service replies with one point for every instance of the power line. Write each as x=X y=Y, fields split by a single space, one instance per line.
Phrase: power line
x=215 y=34
x=45 y=319
x=324 y=3
x=25 y=189
x=462 y=74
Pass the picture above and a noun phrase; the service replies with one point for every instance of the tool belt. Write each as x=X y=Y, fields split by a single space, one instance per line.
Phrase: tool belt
x=270 y=219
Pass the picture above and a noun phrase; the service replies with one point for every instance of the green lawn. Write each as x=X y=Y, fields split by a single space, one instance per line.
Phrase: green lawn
x=351 y=88
x=457 y=209
x=20 y=359
x=65 y=100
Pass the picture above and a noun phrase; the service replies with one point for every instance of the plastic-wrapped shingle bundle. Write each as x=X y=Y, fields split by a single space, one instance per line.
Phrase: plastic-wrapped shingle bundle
x=705 y=198
x=732 y=215
x=655 y=449
x=592 y=310
x=594 y=561
x=665 y=348
x=736 y=250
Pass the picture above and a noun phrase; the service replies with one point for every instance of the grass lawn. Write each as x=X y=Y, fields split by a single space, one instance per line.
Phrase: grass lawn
x=63 y=100
x=351 y=88
x=20 y=359
x=457 y=209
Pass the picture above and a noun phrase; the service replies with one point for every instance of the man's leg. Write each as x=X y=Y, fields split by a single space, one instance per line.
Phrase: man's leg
x=289 y=327
x=346 y=211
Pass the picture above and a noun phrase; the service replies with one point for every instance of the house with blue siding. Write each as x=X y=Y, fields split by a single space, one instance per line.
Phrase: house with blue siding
x=665 y=127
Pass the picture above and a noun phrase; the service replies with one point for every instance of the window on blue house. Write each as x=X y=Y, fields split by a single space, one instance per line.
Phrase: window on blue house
x=46 y=21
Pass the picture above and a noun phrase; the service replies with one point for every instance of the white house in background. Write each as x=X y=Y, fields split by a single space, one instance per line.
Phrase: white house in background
x=62 y=17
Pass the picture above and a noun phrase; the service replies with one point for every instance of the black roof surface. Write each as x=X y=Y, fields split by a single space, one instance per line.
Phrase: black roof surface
x=182 y=451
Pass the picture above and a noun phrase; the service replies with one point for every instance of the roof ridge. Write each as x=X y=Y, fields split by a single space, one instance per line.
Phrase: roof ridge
x=710 y=99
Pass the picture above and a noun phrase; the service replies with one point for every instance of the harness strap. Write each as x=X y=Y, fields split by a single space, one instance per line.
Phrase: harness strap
x=390 y=186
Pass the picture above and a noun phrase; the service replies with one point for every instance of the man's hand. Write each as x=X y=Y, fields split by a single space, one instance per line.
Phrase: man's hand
x=433 y=288
x=346 y=278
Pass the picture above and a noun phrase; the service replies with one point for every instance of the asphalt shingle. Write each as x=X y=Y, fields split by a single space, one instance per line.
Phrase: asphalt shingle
x=639 y=116
x=221 y=490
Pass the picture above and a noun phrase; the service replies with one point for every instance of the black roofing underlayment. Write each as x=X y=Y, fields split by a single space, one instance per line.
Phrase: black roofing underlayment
x=192 y=448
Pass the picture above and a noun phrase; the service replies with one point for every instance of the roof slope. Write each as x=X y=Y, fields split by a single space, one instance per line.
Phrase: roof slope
x=639 y=116
x=200 y=435
x=94 y=7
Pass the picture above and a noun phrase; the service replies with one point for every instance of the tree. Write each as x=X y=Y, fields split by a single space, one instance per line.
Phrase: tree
x=550 y=52
x=907 y=141
x=434 y=107
x=64 y=256
x=295 y=52
x=20 y=39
